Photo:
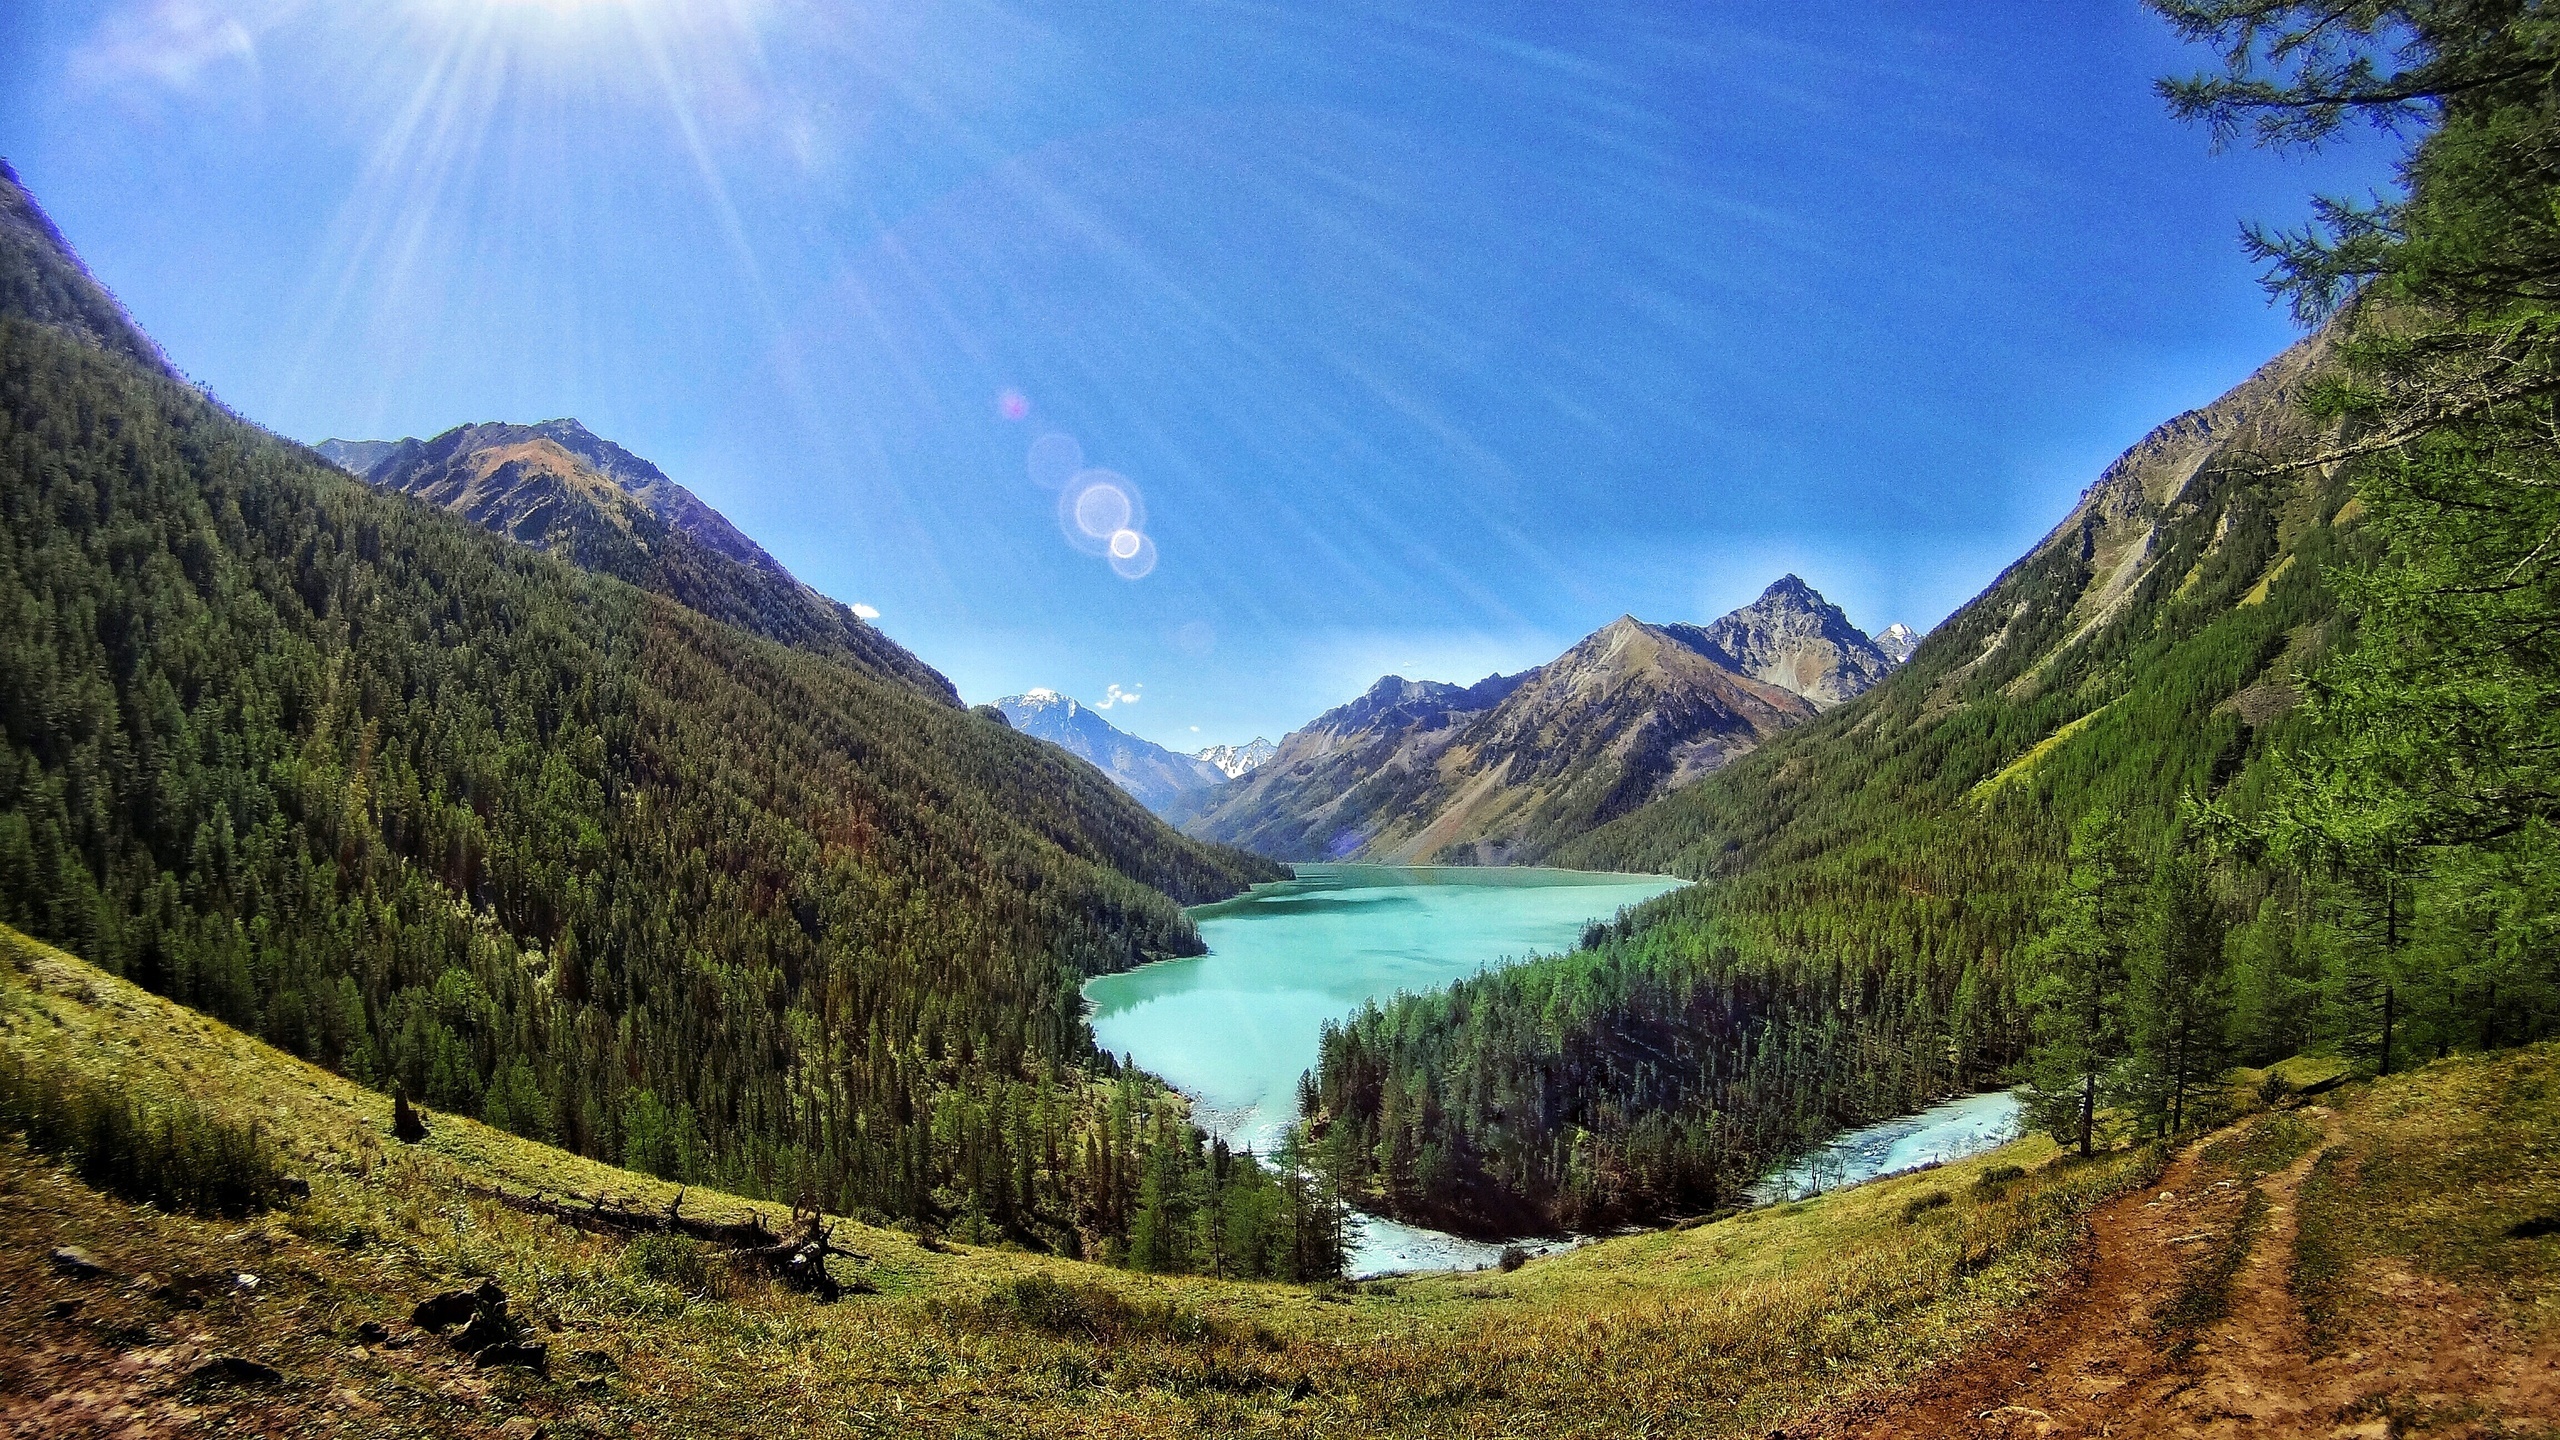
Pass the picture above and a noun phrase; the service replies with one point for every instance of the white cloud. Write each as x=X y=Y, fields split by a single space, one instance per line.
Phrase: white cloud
x=867 y=612
x=1118 y=696
x=181 y=46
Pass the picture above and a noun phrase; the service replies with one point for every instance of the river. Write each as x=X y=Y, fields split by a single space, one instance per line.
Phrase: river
x=1951 y=1130
x=1235 y=1028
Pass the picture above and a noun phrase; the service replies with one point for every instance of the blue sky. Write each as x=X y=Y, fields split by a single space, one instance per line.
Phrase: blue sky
x=1421 y=338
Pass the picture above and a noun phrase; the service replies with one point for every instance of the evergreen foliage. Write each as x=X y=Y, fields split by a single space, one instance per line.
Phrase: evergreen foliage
x=2078 y=974
x=2419 y=815
x=2180 y=999
x=1873 y=886
x=1890 y=907
x=531 y=844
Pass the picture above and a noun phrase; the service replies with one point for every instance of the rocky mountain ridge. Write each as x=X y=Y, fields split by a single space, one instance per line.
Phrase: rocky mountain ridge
x=561 y=488
x=1233 y=761
x=1156 y=777
x=1505 y=770
x=1793 y=638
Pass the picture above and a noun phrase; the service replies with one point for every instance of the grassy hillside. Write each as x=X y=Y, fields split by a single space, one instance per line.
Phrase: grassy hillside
x=1871 y=876
x=452 y=816
x=1696 y=1328
x=1776 y=1317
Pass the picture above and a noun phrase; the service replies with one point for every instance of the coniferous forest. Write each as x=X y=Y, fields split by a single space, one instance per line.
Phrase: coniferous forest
x=2252 y=755
x=2286 y=784
x=459 y=895
x=530 y=844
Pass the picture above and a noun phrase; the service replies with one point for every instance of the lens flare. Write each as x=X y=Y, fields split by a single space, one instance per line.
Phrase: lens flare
x=1095 y=505
x=1139 y=562
x=1014 y=405
x=1102 y=515
x=1054 y=460
x=1102 y=509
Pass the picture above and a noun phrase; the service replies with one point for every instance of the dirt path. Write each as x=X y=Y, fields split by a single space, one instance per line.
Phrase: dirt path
x=2095 y=1360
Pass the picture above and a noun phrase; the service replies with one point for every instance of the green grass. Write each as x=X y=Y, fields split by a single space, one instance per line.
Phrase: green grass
x=172 y=1154
x=2259 y=1149
x=2451 y=1172
x=1989 y=788
x=1732 y=1327
x=1724 y=1328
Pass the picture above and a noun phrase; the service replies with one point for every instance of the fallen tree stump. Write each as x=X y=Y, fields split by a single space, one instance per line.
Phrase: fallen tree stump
x=797 y=1257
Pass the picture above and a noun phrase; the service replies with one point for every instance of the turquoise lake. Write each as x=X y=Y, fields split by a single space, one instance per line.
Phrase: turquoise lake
x=1234 y=1028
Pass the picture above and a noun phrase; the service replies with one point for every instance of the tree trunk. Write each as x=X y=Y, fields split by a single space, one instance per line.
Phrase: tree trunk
x=2389 y=996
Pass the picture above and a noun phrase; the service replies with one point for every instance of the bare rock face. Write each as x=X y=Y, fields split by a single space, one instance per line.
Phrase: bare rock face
x=1793 y=638
x=1508 y=769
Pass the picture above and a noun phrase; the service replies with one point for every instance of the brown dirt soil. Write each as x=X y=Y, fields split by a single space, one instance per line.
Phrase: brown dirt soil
x=2094 y=1360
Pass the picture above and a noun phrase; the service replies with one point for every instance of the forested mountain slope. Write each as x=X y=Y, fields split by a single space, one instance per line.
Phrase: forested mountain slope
x=1510 y=769
x=448 y=814
x=40 y=280
x=559 y=487
x=1871 y=876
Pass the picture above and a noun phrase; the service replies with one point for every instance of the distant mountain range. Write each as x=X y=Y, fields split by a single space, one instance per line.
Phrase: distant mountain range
x=1233 y=761
x=559 y=487
x=1165 y=781
x=1505 y=770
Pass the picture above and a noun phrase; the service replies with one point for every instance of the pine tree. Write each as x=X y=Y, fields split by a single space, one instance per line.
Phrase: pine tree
x=2076 y=996
x=2180 y=998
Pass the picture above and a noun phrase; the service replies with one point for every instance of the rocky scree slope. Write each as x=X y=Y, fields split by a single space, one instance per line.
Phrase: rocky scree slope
x=1507 y=770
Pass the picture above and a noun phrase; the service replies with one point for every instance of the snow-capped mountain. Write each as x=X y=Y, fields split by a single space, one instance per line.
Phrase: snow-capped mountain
x=1897 y=641
x=1234 y=760
x=1156 y=776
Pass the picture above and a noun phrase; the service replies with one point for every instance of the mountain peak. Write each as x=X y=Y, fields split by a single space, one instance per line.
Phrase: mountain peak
x=1793 y=638
x=1235 y=760
x=1160 y=779
x=1897 y=641
x=560 y=487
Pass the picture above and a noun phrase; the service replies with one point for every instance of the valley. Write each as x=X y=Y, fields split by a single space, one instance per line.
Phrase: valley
x=1236 y=1028
x=1875 y=1310
x=486 y=948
